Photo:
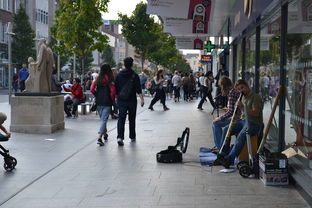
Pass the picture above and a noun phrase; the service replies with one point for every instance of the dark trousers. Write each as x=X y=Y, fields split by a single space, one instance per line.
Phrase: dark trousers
x=160 y=95
x=75 y=102
x=176 y=92
x=125 y=107
x=186 y=92
x=206 y=93
x=22 y=85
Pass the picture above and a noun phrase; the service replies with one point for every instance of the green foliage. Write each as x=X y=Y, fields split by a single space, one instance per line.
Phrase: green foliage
x=23 y=44
x=77 y=24
x=119 y=66
x=88 y=59
x=108 y=56
x=139 y=29
x=64 y=58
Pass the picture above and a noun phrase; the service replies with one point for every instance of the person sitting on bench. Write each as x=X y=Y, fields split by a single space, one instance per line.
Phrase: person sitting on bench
x=76 y=98
x=254 y=105
x=232 y=94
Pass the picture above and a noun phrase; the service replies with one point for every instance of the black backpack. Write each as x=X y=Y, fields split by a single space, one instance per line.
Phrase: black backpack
x=126 y=91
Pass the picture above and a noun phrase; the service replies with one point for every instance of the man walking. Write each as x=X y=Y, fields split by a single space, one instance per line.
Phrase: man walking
x=22 y=76
x=126 y=100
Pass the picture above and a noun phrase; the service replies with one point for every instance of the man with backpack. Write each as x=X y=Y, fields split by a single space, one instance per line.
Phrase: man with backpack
x=127 y=85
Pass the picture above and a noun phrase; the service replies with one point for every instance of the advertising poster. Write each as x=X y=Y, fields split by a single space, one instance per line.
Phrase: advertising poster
x=189 y=43
x=168 y=8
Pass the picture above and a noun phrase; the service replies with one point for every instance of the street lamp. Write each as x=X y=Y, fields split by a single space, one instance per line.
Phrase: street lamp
x=9 y=34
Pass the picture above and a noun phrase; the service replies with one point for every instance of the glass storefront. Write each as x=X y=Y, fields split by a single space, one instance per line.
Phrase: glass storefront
x=299 y=78
x=250 y=70
x=269 y=74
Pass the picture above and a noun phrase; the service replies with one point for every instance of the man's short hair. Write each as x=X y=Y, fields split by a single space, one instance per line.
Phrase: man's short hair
x=128 y=62
x=3 y=117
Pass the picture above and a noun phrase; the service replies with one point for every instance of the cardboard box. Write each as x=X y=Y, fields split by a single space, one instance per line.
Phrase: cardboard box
x=270 y=179
x=273 y=163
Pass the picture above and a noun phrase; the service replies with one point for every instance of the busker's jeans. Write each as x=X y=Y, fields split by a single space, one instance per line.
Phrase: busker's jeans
x=217 y=128
x=124 y=107
x=240 y=128
x=104 y=112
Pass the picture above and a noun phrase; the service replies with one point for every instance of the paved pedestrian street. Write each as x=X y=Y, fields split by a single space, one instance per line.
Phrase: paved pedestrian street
x=68 y=168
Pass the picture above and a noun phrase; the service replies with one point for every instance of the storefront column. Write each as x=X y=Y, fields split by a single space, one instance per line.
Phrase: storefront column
x=257 y=62
x=234 y=67
x=281 y=120
x=243 y=58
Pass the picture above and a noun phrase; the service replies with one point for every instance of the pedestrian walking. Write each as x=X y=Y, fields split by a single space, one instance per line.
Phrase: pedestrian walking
x=127 y=85
x=207 y=89
x=176 y=82
x=160 y=91
x=103 y=88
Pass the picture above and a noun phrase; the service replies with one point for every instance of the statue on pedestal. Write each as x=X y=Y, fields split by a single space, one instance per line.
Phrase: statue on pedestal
x=40 y=76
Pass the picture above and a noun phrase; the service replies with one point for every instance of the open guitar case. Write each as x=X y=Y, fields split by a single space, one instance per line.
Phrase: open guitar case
x=172 y=154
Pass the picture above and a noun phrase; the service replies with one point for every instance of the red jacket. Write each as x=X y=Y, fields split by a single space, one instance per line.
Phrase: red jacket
x=112 y=88
x=76 y=91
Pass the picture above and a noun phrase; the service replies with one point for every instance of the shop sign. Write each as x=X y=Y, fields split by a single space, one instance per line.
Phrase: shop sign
x=190 y=43
x=206 y=58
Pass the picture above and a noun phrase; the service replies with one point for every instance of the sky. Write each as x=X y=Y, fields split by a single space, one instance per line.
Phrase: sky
x=122 y=6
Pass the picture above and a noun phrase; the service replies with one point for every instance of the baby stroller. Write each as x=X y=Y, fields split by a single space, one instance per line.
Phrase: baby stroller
x=9 y=161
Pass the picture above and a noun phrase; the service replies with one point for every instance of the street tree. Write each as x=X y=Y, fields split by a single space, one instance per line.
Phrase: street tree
x=164 y=48
x=108 y=56
x=23 y=44
x=139 y=29
x=77 y=25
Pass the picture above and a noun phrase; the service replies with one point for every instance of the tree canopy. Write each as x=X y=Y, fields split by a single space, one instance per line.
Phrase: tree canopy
x=77 y=25
x=23 y=44
x=149 y=40
x=108 y=56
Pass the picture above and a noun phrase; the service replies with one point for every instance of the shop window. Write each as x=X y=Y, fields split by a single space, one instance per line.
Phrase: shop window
x=298 y=112
x=269 y=71
x=250 y=61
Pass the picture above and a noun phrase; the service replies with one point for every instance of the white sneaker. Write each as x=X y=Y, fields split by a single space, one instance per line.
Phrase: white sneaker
x=120 y=142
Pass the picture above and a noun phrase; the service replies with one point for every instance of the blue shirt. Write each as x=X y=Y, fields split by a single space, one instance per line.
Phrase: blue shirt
x=23 y=74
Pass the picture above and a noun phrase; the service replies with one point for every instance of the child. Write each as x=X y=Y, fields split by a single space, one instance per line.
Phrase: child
x=7 y=135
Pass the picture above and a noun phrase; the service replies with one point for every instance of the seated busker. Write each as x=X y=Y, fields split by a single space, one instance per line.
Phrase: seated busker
x=254 y=109
x=223 y=120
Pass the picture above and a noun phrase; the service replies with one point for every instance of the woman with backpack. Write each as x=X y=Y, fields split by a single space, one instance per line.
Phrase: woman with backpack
x=104 y=90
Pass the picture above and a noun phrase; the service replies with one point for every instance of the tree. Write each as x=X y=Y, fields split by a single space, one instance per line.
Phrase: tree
x=139 y=29
x=23 y=44
x=164 y=48
x=108 y=56
x=88 y=59
x=77 y=24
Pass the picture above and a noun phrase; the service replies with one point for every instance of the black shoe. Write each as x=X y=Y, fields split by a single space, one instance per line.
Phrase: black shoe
x=100 y=142
x=133 y=140
x=105 y=137
x=68 y=116
x=166 y=108
x=151 y=108
x=200 y=108
x=223 y=161
x=120 y=142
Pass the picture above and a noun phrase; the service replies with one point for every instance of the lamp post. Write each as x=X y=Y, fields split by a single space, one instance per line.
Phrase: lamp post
x=9 y=34
x=58 y=62
x=74 y=75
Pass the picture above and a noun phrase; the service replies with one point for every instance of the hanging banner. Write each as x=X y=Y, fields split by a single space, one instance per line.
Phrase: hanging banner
x=206 y=59
x=189 y=43
x=196 y=11
x=177 y=26
x=168 y=8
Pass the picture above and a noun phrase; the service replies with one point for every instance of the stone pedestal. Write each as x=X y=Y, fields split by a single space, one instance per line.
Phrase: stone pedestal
x=37 y=114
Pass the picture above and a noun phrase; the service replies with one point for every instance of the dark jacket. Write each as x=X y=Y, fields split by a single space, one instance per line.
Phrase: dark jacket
x=122 y=77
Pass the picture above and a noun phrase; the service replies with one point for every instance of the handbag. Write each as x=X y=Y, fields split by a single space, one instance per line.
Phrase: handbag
x=93 y=107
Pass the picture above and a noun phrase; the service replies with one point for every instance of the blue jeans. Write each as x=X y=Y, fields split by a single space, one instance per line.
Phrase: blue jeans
x=217 y=131
x=104 y=112
x=125 y=107
x=240 y=128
